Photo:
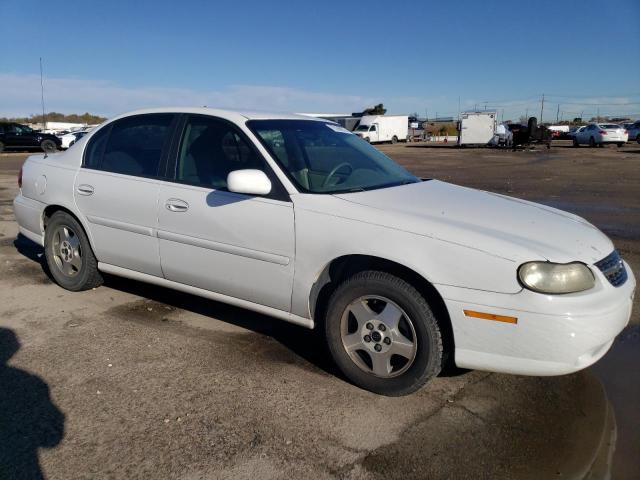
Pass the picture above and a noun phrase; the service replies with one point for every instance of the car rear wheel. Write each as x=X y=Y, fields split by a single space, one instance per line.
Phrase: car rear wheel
x=48 y=146
x=68 y=253
x=382 y=334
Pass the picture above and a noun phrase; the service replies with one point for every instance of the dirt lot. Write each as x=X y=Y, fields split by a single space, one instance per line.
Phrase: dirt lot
x=133 y=381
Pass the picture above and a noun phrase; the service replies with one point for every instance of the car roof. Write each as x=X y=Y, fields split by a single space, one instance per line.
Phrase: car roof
x=235 y=115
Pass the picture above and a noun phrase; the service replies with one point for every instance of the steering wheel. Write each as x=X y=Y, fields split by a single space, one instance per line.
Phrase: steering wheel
x=335 y=170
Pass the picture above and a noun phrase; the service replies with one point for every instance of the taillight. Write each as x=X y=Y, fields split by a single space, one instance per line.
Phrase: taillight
x=626 y=132
x=20 y=178
x=603 y=132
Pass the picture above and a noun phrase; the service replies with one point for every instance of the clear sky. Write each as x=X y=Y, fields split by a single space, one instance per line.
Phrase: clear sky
x=107 y=57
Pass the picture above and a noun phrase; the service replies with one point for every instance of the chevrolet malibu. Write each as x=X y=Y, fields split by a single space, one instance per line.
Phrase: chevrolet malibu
x=299 y=219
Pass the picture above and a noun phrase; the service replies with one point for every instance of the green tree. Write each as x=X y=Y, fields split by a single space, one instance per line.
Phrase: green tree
x=376 y=110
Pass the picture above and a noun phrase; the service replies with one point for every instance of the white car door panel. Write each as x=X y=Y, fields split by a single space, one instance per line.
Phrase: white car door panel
x=115 y=194
x=122 y=226
x=229 y=243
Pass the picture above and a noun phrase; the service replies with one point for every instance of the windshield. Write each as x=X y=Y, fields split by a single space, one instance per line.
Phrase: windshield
x=320 y=157
x=362 y=128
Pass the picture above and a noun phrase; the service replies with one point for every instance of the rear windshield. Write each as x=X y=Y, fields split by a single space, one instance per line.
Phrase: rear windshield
x=609 y=125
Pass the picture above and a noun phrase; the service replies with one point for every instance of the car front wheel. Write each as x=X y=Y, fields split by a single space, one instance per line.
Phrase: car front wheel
x=382 y=334
x=48 y=146
x=68 y=253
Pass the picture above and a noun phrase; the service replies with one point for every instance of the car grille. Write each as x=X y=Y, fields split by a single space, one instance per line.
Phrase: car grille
x=613 y=268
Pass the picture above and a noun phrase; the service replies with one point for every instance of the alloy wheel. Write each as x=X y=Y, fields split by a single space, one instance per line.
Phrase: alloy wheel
x=67 y=251
x=378 y=336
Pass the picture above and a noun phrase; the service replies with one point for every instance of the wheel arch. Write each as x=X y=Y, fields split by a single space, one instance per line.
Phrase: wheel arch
x=345 y=266
x=48 y=212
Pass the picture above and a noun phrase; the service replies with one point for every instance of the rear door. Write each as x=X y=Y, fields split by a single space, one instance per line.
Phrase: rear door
x=117 y=189
x=14 y=137
x=229 y=243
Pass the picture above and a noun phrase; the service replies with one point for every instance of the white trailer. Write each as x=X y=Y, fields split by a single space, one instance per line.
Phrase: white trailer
x=383 y=128
x=477 y=128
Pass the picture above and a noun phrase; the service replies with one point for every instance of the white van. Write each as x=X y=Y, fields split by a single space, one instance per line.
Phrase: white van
x=383 y=128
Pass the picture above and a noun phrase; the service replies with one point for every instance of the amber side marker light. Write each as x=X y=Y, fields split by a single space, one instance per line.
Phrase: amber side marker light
x=490 y=316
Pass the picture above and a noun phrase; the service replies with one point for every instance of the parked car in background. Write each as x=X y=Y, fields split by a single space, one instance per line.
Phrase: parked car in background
x=14 y=136
x=70 y=138
x=633 y=130
x=574 y=131
x=503 y=136
x=300 y=219
x=599 y=134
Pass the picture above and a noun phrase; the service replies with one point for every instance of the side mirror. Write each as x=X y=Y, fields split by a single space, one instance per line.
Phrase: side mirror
x=249 y=181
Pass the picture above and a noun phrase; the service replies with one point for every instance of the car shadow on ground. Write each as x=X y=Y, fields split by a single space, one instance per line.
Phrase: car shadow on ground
x=305 y=343
x=29 y=420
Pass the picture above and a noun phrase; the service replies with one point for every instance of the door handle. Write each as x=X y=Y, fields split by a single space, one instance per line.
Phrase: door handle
x=85 y=189
x=176 y=205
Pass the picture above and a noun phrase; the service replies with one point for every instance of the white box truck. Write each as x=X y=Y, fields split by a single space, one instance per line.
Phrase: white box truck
x=477 y=128
x=383 y=128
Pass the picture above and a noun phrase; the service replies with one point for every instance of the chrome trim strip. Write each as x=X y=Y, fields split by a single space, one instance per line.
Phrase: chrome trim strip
x=224 y=248
x=129 y=227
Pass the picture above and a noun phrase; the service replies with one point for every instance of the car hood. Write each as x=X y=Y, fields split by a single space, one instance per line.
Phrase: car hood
x=499 y=225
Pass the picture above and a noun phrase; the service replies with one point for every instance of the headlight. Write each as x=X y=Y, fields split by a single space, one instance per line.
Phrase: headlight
x=547 y=277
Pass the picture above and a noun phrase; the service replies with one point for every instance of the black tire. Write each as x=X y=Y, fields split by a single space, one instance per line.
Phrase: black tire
x=367 y=139
x=48 y=145
x=1 y=147
x=620 y=144
x=592 y=142
x=575 y=143
x=428 y=359
x=87 y=275
x=394 y=139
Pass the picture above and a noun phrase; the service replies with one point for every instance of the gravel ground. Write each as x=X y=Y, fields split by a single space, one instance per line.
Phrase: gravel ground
x=134 y=381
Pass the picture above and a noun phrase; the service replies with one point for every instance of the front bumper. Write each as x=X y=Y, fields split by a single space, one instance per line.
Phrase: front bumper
x=554 y=334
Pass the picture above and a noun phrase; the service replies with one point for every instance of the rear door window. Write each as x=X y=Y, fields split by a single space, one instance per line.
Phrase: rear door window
x=132 y=145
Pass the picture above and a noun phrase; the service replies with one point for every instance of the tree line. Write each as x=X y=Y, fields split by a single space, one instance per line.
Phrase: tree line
x=86 y=117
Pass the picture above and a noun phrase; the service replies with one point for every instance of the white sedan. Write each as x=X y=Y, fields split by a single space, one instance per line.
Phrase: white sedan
x=70 y=138
x=599 y=134
x=300 y=219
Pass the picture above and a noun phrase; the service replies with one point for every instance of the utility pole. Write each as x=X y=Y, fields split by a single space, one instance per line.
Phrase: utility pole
x=458 y=107
x=598 y=114
x=558 y=114
x=526 y=114
x=541 y=109
x=44 y=119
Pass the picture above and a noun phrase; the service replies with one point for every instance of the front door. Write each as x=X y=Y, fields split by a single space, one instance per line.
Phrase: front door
x=229 y=243
x=117 y=190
